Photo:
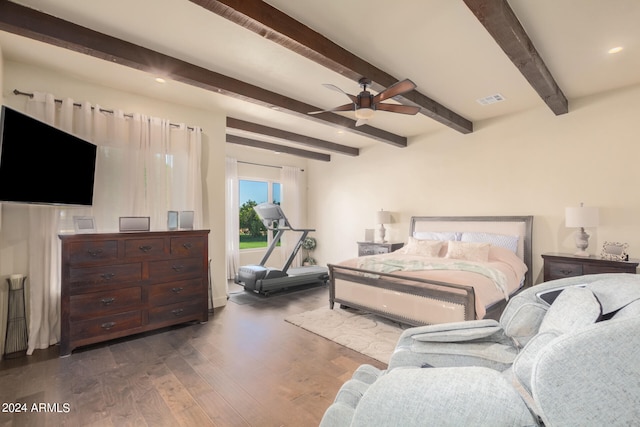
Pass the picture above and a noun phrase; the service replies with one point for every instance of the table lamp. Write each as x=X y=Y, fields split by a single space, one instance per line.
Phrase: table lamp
x=383 y=217
x=581 y=217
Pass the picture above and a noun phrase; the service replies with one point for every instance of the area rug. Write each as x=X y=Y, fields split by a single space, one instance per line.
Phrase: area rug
x=365 y=333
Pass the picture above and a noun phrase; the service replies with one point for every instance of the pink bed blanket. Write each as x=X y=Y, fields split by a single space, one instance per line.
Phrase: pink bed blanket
x=492 y=281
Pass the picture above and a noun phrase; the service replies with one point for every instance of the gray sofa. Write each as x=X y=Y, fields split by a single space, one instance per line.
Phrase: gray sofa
x=575 y=361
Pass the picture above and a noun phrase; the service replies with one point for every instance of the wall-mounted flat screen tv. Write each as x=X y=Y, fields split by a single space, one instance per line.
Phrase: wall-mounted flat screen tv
x=42 y=164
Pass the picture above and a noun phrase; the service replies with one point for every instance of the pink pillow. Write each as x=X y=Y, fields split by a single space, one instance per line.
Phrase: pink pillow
x=425 y=248
x=470 y=251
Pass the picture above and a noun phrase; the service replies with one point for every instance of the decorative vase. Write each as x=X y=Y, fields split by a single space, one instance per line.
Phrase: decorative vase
x=16 y=341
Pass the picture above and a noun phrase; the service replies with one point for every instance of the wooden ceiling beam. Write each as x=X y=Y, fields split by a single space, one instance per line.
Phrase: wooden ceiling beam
x=45 y=28
x=248 y=142
x=503 y=25
x=290 y=136
x=271 y=23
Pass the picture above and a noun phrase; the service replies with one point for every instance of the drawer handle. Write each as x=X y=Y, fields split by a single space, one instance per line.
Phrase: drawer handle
x=108 y=325
x=566 y=272
x=94 y=252
x=145 y=248
x=108 y=276
x=177 y=312
x=107 y=301
x=187 y=245
x=177 y=268
x=176 y=290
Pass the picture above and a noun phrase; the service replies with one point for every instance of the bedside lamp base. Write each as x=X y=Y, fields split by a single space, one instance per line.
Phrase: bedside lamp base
x=582 y=242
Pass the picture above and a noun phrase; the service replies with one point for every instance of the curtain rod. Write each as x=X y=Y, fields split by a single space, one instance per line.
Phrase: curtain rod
x=75 y=104
x=261 y=164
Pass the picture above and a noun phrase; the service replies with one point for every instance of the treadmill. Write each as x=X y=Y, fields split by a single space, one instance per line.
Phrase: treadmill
x=265 y=280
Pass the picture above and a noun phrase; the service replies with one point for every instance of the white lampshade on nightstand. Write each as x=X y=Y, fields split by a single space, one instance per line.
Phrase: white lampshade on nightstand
x=581 y=217
x=383 y=217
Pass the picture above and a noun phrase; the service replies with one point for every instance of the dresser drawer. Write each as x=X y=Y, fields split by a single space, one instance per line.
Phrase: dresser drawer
x=372 y=250
x=93 y=251
x=106 y=325
x=175 y=313
x=187 y=246
x=98 y=304
x=169 y=293
x=134 y=248
x=599 y=269
x=559 y=270
x=105 y=274
x=176 y=269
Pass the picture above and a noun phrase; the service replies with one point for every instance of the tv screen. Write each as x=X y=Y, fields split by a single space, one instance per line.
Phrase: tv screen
x=42 y=164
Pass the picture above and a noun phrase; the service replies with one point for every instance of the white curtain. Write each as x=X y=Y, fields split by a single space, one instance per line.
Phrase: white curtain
x=232 y=214
x=291 y=180
x=145 y=167
x=44 y=254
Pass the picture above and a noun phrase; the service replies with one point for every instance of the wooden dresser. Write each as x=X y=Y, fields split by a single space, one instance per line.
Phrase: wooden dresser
x=118 y=284
x=559 y=266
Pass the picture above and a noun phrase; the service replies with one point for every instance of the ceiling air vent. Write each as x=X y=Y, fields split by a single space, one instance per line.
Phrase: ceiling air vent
x=491 y=99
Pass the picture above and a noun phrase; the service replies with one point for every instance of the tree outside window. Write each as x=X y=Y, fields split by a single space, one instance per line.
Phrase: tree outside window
x=253 y=233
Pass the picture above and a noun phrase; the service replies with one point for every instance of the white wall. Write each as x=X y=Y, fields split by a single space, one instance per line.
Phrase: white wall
x=13 y=235
x=531 y=163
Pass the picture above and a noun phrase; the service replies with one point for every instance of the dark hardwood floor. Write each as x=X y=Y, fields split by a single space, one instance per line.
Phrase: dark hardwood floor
x=245 y=367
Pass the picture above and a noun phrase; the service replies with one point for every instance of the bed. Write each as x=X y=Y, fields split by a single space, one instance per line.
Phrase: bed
x=451 y=269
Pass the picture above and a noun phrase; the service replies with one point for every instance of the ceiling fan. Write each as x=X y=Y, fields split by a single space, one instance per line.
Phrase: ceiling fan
x=365 y=104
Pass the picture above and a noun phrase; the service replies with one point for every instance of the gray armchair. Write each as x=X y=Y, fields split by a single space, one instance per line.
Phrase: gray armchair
x=484 y=342
x=578 y=364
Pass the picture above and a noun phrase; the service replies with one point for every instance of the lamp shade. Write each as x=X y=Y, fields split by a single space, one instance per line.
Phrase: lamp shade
x=383 y=217
x=582 y=216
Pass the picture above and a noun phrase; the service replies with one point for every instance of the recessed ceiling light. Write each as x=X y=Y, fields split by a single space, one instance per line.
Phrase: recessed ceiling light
x=615 y=49
x=160 y=80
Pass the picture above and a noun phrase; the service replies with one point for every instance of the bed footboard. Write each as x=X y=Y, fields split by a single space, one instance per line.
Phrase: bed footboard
x=409 y=300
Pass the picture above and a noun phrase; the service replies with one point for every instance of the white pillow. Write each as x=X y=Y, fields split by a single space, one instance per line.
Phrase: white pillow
x=470 y=251
x=436 y=235
x=426 y=248
x=502 y=240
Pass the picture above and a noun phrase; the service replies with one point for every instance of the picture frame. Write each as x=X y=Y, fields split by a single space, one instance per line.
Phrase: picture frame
x=186 y=220
x=369 y=234
x=134 y=223
x=84 y=224
x=614 y=251
x=172 y=220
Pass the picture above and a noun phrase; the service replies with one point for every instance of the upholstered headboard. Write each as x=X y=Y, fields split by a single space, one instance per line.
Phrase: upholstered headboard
x=521 y=226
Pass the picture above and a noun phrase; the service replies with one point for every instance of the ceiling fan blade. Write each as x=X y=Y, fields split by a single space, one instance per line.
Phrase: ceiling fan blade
x=394 y=90
x=345 y=107
x=353 y=98
x=361 y=122
x=402 y=109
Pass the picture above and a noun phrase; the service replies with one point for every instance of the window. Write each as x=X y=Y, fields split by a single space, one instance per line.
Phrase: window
x=253 y=234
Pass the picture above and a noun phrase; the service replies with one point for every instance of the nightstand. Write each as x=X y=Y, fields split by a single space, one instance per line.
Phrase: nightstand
x=559 y=266
x=372 y=248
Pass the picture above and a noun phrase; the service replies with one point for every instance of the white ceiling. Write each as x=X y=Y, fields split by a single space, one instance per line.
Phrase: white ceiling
x=439 y=44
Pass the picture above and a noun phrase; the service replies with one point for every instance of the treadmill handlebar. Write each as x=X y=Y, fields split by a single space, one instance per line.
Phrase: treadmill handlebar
x=270 y=213
x=289 y=228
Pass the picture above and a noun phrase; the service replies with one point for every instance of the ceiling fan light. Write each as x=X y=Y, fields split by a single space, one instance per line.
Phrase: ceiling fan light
x=364 y=113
